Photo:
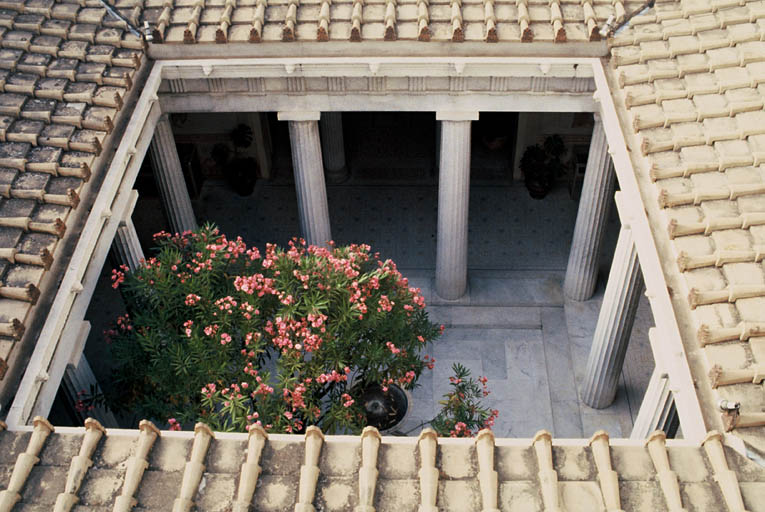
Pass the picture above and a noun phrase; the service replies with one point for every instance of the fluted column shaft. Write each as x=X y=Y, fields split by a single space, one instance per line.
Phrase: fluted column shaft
x=81 y=379
x=126 y=248
x=657 y=411
x=309 y=176
x=591 y=219
x=169 y=177
x=333 y=146
x=612 y=332
x=453 y=196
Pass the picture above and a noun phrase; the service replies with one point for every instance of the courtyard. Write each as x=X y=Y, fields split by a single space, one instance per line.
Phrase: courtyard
x=513 y=326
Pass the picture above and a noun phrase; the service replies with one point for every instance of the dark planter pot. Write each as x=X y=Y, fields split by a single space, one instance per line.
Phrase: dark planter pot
x=384 y=410
x=241 y=174
x=538 y=188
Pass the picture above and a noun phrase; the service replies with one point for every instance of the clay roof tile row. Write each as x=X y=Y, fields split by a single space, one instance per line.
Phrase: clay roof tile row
x=693 y=77
x=148 y=468
x=65 y=70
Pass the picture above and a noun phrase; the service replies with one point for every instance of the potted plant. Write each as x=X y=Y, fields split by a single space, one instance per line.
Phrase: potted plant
x=541 y=164
x=292 y=337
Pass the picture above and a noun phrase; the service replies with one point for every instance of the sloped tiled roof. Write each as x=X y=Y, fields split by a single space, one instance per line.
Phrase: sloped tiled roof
x=242 y=21
x=692 y=77
x=65 y=70
x=223 y=472
x=689 y=77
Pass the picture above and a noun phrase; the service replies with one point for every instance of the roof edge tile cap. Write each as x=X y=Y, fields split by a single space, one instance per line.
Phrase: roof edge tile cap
x=712 y=435
x=257 y=430
x=544 y=434
x=483 y=433
x=597 y=435
x=370 y=431
x=91 y=424
x=148 y=426
x=656 y=435
x=203 y=428
x=39 y=421
x=313 y=430
x=428 y=432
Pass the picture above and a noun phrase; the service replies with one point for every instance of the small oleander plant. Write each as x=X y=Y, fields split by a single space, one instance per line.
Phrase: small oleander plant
x=462 y=413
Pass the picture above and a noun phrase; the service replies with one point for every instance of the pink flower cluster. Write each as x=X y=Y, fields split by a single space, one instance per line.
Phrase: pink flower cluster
x=294 y=334
x=333 y=376
x=118 y=276
x=192 y=299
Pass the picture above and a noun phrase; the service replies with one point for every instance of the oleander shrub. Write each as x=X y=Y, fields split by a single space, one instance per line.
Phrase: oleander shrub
x=220 y=332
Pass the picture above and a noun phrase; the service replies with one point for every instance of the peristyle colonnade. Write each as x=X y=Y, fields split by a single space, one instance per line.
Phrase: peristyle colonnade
x=316 y=157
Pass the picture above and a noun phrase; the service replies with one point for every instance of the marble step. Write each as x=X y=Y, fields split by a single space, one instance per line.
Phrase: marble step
x=487 y=317
x=516 y=289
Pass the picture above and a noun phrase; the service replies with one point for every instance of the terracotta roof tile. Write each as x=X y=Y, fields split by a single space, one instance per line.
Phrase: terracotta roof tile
x=710 y=181
x=66 y=67
x=656 y=473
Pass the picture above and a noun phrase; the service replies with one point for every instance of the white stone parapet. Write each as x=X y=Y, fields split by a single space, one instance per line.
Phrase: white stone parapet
x=309 y=176
x=169 y=178
x=612 y=332
x=453 y=198
x=591 y=219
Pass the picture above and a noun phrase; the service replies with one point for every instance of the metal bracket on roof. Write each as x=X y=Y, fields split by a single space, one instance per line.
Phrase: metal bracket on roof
x=613 y=25
x=124 y=20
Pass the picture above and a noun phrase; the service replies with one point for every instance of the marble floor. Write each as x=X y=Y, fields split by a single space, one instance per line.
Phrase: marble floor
x=516 y=330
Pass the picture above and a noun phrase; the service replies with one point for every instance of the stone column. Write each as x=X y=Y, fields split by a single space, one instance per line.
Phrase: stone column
x=309 y=175
x=80 y=383
x=126 y=247
x=453 y=195
x=657 y=411
x=333 y=146
x=612 y=332
x=591 y=219
x=169 y=178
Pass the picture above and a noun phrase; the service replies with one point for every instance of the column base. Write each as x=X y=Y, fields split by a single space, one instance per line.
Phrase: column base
x=336 y=177
x=439 y=300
